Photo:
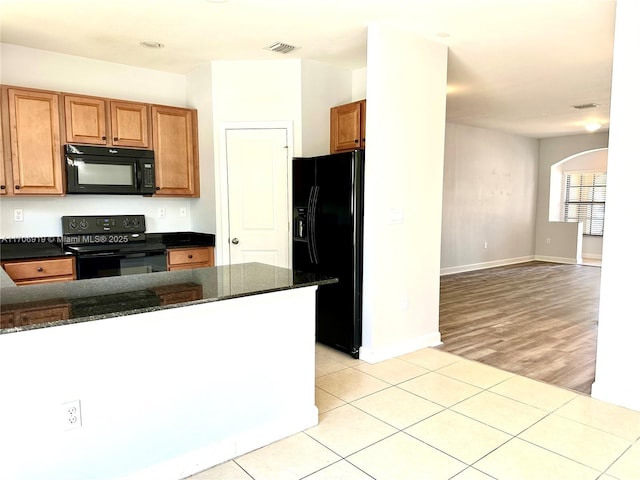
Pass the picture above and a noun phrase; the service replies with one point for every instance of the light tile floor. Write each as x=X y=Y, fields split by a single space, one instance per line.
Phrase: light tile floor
x=433 y=415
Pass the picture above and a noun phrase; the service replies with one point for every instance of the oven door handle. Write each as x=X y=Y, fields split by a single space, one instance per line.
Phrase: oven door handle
x=97 y=254
x=119 y=255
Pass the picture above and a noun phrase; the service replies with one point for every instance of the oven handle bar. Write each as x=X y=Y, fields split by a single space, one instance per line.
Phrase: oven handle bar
x=120 y=255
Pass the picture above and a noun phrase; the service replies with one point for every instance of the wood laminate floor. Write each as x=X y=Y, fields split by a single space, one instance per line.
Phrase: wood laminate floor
x=536 y=319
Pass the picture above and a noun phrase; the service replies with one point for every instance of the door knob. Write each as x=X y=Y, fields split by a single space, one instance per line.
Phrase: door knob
x=235 y=241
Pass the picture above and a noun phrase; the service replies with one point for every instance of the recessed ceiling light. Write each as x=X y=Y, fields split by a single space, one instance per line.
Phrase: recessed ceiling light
x=593 y=126
x=150 y=44
x=217 y=1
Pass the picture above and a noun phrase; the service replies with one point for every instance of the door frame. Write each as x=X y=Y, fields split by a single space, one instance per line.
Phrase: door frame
x=223 y=250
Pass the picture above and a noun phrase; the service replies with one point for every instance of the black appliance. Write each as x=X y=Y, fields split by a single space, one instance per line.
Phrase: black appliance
x=328 y=217
x=109 y=170
x=106 y=246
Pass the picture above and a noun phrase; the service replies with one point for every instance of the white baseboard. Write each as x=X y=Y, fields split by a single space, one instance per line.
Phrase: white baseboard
x=219 y=452
x=484 y=265
x=627 y=396
x=375 y=355
x=570 y=261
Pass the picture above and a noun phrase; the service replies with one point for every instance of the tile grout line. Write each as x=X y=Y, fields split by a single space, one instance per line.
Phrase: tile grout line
x=548 y=413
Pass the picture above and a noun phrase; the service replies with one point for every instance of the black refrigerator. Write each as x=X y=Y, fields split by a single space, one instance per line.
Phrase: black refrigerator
x=328 y=215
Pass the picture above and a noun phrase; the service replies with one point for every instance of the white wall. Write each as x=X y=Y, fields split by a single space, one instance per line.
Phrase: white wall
x=200 y=97
x=618 y=357
x=403 y=178
x=27 y=67
x=294 y=91
x=323 y=86
x=257 y=91
x=359 y=84
x=552 y=151
x=490 y=182
x=163 y=394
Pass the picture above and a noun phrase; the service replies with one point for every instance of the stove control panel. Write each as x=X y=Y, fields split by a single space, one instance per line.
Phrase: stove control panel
x=97 y=224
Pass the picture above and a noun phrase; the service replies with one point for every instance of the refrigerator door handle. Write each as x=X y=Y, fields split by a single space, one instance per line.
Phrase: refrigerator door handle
x=310 y=223
x=313 y=204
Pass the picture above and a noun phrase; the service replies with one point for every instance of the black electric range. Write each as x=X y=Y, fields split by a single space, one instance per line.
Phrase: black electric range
x=111 y=245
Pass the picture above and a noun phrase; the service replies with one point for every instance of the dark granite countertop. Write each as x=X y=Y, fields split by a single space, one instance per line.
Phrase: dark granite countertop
x=101 y=298
x=183 y=239
x=25 y=248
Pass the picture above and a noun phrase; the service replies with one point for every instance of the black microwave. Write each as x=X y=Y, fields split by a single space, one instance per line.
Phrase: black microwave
x=109 y=170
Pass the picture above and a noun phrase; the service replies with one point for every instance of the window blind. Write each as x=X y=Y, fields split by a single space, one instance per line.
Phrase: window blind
x=585 y=197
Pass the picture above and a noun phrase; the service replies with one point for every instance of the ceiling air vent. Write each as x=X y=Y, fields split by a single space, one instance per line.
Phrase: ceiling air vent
x=584 y=106
x=280 y=47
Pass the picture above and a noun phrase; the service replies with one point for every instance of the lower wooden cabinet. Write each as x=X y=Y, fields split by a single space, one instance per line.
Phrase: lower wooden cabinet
x=32 y=313
x=190 y=257
x=178 y=293
x=44 y=270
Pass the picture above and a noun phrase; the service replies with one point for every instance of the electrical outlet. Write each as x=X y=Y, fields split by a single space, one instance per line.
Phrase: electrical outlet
x=404 y=302
x=486 y=244
x=17 y=215
x=548 y=240
x=162 y=212
x=71 y=415
x=183 y=212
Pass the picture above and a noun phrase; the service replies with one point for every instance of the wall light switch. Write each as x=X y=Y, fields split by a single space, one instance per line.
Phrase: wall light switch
x=17 y=215
x=183 y=212
x=396 y=216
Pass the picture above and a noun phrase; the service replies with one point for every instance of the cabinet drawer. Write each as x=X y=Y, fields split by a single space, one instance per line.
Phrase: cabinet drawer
x=39 y=271
x=44 y=311
x=171 y=294
x=190 y=257
x=44 y=314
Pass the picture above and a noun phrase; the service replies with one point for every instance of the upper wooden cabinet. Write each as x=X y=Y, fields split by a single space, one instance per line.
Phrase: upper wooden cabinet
x=176 y=151
x=35 y=124
x=3 y=178
x=100 y=121
x=34 y=142
x=348 y=126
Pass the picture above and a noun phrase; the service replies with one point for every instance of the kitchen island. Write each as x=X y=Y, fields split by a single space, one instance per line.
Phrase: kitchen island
x=167 y=386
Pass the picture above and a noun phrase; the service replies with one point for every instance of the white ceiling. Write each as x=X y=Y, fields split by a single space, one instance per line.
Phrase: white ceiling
x=514 y=65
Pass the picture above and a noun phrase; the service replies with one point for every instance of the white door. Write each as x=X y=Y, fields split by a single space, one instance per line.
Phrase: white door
x=258 y=195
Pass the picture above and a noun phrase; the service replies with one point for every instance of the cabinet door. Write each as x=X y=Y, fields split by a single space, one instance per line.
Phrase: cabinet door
x=36 y=154
x=175 y=147
x=363 y=122
x=3 y=179
x=85 y=120
x=129 y=124
x=345 y=127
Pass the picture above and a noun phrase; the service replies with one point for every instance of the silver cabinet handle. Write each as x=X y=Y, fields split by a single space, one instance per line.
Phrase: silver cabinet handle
x=235 y=241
